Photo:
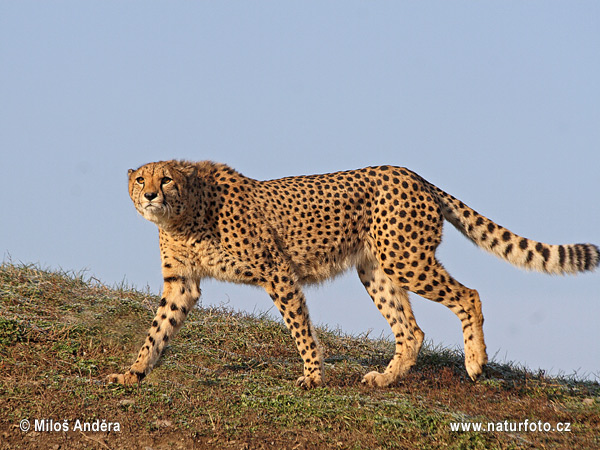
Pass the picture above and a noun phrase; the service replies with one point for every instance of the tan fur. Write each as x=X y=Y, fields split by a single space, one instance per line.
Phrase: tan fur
x=286 y=233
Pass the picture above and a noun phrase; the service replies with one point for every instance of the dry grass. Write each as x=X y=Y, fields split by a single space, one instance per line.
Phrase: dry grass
x=227 y=381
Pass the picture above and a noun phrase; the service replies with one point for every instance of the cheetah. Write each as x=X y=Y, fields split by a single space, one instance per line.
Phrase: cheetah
x=285 y=233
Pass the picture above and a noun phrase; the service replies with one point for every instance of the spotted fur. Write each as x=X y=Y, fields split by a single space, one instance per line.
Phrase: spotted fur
x=286 y=233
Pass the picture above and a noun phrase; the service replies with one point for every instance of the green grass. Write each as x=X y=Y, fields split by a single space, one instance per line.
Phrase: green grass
x=227 y=381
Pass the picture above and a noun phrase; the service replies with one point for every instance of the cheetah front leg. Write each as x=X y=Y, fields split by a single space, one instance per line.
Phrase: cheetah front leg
x=290 y=301
x=179 y=296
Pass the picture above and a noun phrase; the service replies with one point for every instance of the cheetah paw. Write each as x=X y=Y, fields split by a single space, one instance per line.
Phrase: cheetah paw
x=474 y=369
x=309 y=382
x=475 y=366
x=126 y=378
x=376 y=379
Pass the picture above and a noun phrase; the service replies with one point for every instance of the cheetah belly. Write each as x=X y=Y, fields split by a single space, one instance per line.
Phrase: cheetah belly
x=314 y=270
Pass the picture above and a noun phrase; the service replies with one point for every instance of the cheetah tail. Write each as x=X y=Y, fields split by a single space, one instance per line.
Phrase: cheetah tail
x=517 y=250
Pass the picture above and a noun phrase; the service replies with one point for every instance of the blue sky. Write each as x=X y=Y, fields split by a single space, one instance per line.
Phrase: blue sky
x=496 y=102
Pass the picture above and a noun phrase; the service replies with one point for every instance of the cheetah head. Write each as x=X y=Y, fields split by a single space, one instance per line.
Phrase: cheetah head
x=158 y=192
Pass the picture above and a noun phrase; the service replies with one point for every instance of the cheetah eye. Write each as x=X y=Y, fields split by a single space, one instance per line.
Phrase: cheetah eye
x=165 y=180
x=139 y=180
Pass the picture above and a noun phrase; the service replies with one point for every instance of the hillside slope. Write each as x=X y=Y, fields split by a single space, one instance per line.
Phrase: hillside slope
x=227 y=381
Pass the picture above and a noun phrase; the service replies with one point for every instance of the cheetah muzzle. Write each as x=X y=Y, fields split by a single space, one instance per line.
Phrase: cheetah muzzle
x=286 y=233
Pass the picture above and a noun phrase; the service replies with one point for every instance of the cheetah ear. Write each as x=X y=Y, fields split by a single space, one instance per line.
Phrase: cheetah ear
x=129 y=174
x=188 y=171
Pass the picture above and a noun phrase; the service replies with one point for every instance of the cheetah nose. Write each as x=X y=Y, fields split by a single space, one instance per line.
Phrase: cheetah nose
x=150 y=195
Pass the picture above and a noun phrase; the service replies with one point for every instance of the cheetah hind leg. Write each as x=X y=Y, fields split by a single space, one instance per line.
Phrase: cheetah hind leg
x=465 y=303
x=394 y=305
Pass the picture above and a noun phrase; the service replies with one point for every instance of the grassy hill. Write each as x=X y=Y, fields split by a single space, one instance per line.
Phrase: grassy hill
x=227 y=381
